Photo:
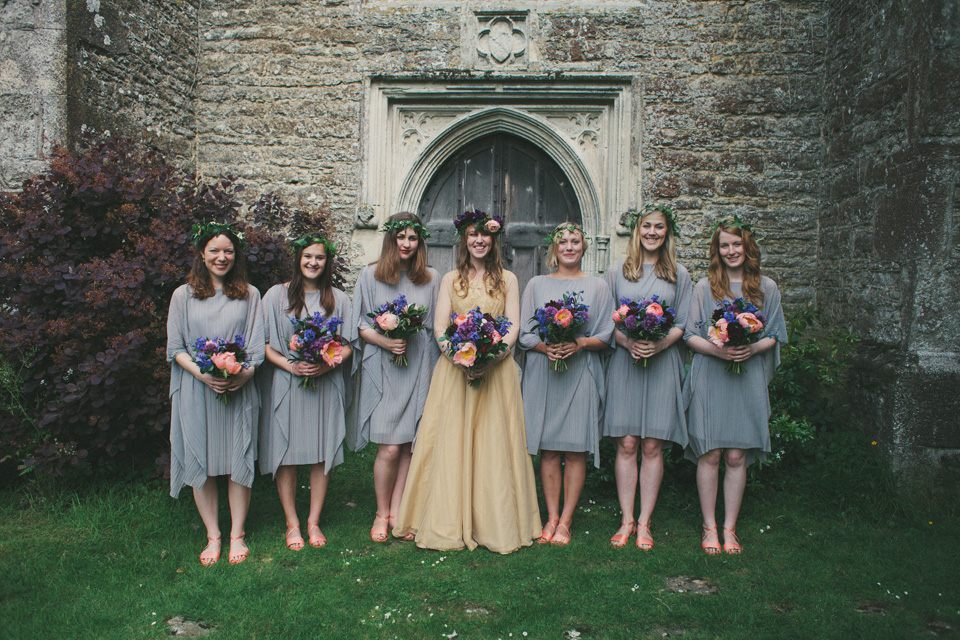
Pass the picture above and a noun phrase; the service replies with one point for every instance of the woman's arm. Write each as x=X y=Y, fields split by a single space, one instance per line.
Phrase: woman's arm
x=216 y=384
x=394 y=345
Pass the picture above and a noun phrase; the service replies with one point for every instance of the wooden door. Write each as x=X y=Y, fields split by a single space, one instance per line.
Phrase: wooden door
x=504 y=175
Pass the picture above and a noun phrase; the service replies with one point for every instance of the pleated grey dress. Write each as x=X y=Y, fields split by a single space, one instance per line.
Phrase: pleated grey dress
x=389 y=401
x=300 y=426
x=208 y=437
x=647 y=402
x=730 y=410
x=562 y=410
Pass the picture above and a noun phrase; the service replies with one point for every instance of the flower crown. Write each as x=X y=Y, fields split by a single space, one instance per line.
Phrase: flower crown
x=732 y=222
x=491 y=224
x=559 y=231
x=213 y=229
x=629 y=218
x=408 y=223
x=303 y=242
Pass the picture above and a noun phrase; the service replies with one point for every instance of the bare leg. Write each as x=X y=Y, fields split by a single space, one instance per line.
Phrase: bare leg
x=403 y=467
x=551 y=475
x=574 y=475
x=287 y=490
x=385 y=477
x=708 y=472
x=319 y=481
x=651 y=475
x=734 y=483
x=239 y=498
x=625 y=472
x=207 y=504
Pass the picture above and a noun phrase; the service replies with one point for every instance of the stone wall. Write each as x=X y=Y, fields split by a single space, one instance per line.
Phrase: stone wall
x=132 y=70
x=33 y=103
x=889 y=243
x=727 y=94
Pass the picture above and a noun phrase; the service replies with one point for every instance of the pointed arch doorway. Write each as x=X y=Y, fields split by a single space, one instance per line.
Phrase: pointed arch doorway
x=508 y=176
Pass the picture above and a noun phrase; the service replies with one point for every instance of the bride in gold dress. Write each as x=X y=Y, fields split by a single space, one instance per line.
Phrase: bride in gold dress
x=471 y=481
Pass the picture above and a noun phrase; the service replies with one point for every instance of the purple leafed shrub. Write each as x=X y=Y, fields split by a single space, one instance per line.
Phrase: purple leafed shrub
x=90 y=253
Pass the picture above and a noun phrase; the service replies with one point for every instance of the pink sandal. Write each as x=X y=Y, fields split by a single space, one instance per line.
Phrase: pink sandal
x=620 y=539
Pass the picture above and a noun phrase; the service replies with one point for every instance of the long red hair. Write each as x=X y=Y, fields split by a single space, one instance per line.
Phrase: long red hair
x=388 y=264
x=717 y=274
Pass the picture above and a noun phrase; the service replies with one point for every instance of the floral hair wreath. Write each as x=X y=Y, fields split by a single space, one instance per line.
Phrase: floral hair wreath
x=559 y=231
x=737 y=222
x=491 y=224
x=203 y=229
x=629 y=218
x=303 y=242
x=409 y=223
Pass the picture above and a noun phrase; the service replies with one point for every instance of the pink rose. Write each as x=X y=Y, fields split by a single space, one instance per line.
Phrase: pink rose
x=750 y=321
x=563 y=318
x=496 y=337
x=294 y=343
x=654 y=309
x=227 y=362
x=718 y=334
x=460 y=319
x=388 y=321
x=332 y=353
x=466 y=355
x=492 y=226
x=617 y=317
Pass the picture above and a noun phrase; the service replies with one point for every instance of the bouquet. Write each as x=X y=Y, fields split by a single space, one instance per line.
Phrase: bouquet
x=560 y=320
x=315 y=340
x=476 y=339
x=738 y=323
x=644 y=320
x=221 y=358
x=398 y=319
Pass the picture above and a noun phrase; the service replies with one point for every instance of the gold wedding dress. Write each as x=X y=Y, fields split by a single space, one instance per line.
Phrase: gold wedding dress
x=471 y=481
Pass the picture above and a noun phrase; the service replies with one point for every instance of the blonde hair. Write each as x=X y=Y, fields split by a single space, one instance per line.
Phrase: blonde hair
x=552 y=260
x=666 y=265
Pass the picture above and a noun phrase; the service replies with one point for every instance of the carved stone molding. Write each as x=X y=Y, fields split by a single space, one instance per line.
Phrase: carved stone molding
x=498 y=39
x=501 y=41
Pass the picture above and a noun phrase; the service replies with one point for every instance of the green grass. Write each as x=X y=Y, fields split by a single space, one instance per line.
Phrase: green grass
x=117 y=561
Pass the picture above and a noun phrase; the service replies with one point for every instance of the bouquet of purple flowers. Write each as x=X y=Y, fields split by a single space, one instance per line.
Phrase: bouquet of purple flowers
x=398 y=319
x=221 y=358
x=644 y=320
x=315 y=340
x=560 y=320
x=738 y=323
x=476 y=339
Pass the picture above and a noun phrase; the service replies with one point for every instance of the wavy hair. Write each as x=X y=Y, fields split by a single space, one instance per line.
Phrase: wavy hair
x=665 y=267
x=492 y=264
x=235 y=283
x=717 y=274
x=295 y=294
x=388 y=264
x=553 y=260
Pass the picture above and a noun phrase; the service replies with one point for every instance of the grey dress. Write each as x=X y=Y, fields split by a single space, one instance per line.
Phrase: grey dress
x=647 y=402
x=562 y=409
x=208 y=437
x=730 y=410
x=302 y=426
x=390 y=398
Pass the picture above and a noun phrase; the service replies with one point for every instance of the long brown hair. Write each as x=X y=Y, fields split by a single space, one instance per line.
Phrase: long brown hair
x=492 y=264
x=295 y=295
x=666 y=266
x=717 y=274
x=235 y=283
x=388 y=264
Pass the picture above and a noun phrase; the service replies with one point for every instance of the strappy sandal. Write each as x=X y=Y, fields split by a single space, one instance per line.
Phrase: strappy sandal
x=559 y=539
x=711 y=548
x=317 y=539
x=620 y=539
x=644 y=543
x=392 y=524
x=239 y=556
x=294 y=542
x=548 y=531
x=378 y=532
x=731 y=543
x=209 y=557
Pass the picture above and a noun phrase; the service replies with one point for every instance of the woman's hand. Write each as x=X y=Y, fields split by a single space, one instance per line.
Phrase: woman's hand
x=216 y=384
x=305 y=370
x=647 y=348
x=396 y=346
x=237 y=381
x=563 y=350
x=737 y=354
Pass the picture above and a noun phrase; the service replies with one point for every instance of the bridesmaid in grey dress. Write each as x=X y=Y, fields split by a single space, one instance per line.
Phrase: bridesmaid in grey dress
x=562 y=409
x=303 y=426
x=727 y=412
x=390 y=399
x=210 y=438
x=644 y=404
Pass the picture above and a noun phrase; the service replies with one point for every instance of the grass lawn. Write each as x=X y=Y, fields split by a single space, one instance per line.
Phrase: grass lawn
x=824 y=557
